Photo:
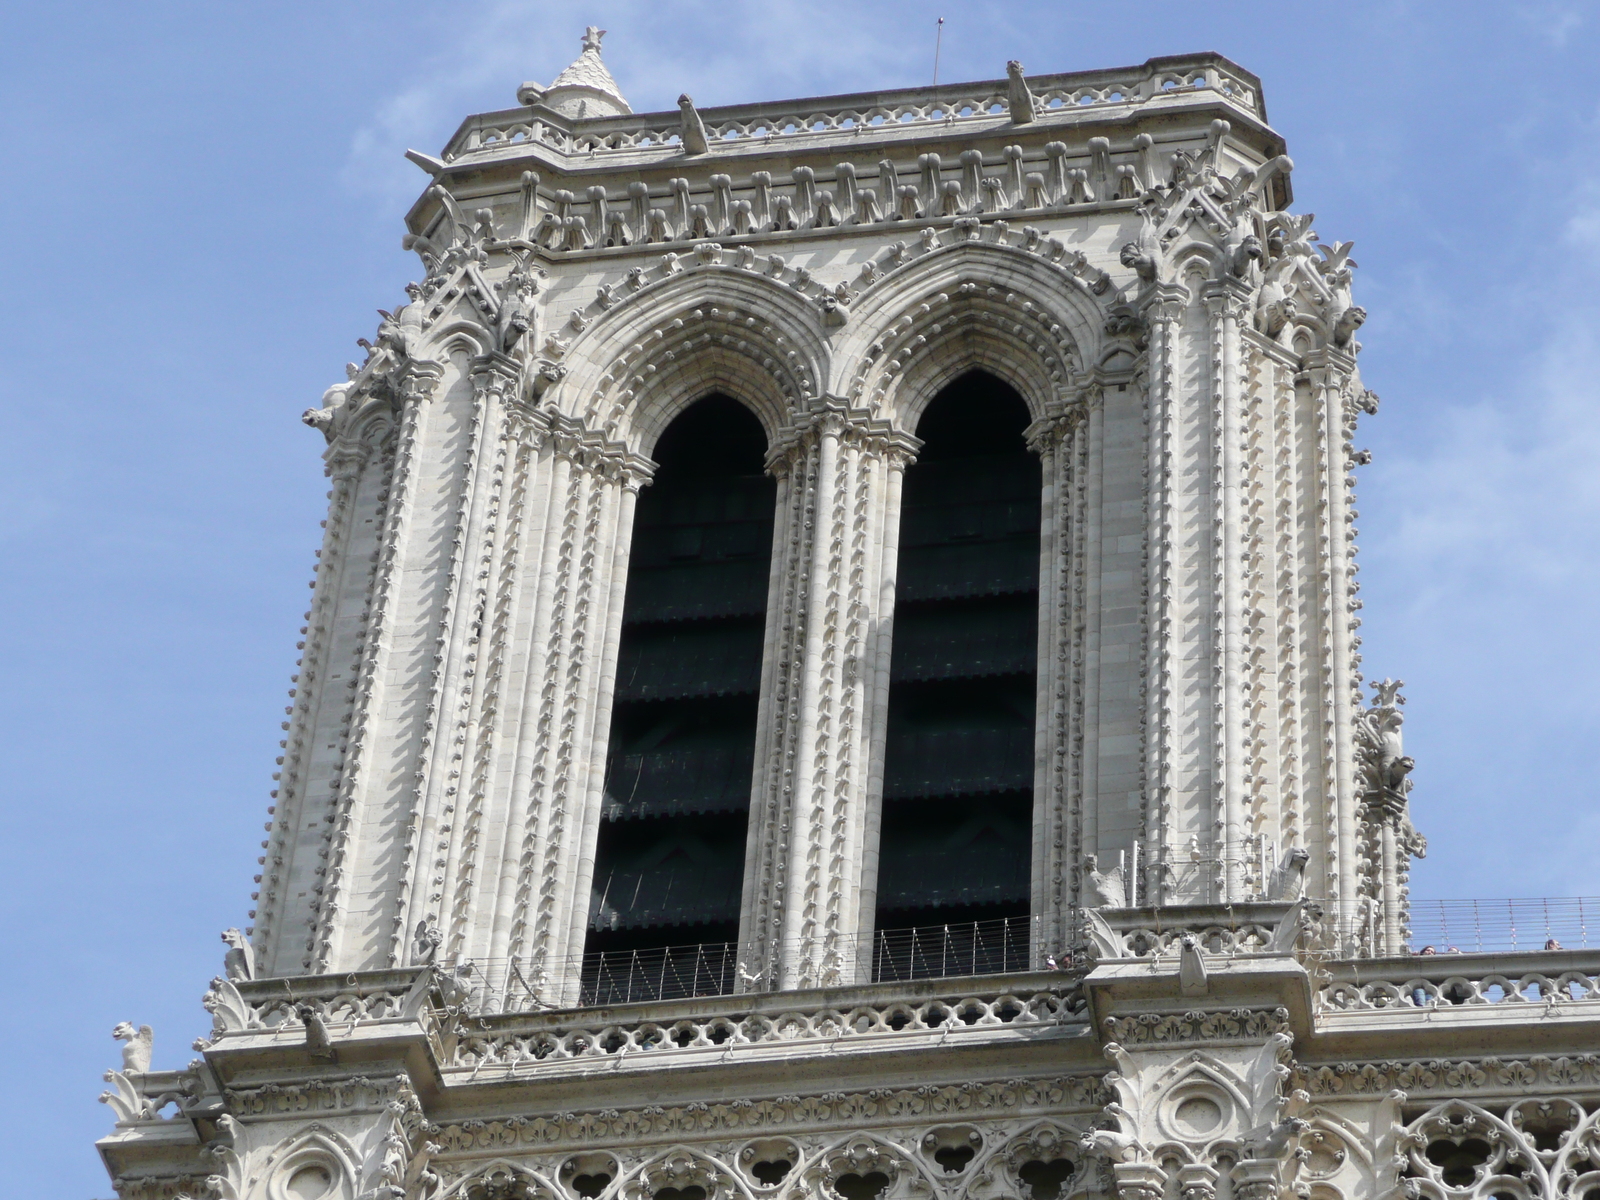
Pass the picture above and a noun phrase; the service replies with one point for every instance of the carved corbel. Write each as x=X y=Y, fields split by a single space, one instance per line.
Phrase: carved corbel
x=1257 y=1179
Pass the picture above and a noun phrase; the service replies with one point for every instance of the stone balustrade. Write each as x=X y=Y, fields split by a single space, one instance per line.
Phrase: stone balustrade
x=857 y=115
x=522 y=1043
x=1556 y=977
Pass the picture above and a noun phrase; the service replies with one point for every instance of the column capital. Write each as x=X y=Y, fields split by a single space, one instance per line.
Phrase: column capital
x=1066 y=413
x=834 y=416
x=496 y=373
x=415 y=381
x=346 y=457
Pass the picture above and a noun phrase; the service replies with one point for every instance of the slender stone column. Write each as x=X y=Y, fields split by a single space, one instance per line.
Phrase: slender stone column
x=567 y=617
x=1225 y=304
x=1163 y=315
x=1064 y=815
x=1327 y=379
x=822 y=697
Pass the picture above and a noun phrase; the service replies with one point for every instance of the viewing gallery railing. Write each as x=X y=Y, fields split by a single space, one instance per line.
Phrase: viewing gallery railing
x=1573 y=922
x=713 y=969
x=845 y=116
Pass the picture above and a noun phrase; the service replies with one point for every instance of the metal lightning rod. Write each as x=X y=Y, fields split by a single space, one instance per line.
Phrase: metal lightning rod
x=938 y=44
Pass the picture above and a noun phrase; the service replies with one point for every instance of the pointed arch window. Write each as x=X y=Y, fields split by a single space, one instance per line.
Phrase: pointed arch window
x=955 y=832
x=671 y=845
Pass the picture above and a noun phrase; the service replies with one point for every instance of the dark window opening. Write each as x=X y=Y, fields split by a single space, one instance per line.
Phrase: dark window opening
x=669 y=863
x=956 y=835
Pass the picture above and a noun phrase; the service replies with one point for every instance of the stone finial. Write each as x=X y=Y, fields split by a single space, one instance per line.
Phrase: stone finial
x=583 y=90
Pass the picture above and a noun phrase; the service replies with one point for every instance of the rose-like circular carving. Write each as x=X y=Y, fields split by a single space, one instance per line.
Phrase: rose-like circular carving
x=1198 y=1114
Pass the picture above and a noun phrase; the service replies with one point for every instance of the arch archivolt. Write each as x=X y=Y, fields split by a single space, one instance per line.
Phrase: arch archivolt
x=1023 y=318
x=701 y=329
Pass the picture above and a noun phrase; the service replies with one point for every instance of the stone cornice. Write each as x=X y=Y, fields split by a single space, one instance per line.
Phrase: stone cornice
x=856 y=1109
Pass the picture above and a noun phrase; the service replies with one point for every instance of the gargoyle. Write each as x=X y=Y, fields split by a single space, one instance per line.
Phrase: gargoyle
x=1112 y=1145
x=137 y=1044
x=1290 y=878
x=1142 y=264
x=427 y=941
x=1018 y=98
x=318 y=1043
x=694 y=129
x=1247 y=251
x=239 y=962
x=1350 y=320
x=325 y=418
x=1107 y=886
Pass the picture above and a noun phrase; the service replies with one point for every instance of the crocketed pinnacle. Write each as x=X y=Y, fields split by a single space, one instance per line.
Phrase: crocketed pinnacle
x=586 y=89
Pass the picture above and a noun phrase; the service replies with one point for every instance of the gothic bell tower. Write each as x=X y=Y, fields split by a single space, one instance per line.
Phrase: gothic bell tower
x=832 y=672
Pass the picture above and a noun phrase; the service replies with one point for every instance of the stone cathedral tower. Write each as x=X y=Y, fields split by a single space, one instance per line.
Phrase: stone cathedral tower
x=833 y=672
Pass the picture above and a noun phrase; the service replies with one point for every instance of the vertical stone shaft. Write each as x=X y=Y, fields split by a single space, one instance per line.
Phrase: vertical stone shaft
x=595 y=688
x=1328 y=378
x=431 y=846
x=385 y=732
x=1164 y=315
x=887 y=516
x=1061 y=810
x=1225 y=303
x=306 y=795
x=823 y=695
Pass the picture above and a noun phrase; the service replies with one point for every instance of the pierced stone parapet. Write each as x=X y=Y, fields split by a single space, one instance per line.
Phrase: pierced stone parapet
x=522 y=1045
x=1555 y=978
x=884 y=114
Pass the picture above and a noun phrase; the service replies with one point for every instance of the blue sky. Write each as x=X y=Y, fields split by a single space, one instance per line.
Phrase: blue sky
x=204 y=207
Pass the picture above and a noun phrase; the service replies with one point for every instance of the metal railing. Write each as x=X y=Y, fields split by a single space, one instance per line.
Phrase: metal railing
x=663 y=973
x=938 y=951
x=713 y=969
x=1517 y=925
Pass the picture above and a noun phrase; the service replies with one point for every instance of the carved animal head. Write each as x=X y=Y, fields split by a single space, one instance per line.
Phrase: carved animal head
x=124 y=1031
x=234 y=938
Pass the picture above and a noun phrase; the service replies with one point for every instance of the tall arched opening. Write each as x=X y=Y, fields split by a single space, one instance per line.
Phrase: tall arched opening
x=955 y=831
x=670 y=851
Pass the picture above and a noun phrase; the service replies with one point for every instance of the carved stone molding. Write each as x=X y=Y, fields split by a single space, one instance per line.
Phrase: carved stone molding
x=1074 y=1093
x=1198 y=1026
x=1451 y=1076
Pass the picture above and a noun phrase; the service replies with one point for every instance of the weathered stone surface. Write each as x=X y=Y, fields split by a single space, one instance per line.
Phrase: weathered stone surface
x=1219 y=1002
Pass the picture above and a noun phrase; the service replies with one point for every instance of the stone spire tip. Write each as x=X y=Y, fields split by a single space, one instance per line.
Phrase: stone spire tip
x=584 y=89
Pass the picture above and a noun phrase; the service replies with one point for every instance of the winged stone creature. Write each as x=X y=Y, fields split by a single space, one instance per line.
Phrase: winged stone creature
x=137 y=1044
x=239 y=963
x=1107 y=887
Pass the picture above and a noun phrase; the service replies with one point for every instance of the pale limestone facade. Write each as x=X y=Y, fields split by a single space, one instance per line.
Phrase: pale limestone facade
x=1116 y=247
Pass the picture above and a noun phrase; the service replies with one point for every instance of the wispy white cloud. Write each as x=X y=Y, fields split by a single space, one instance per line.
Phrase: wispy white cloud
x=719 y=53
